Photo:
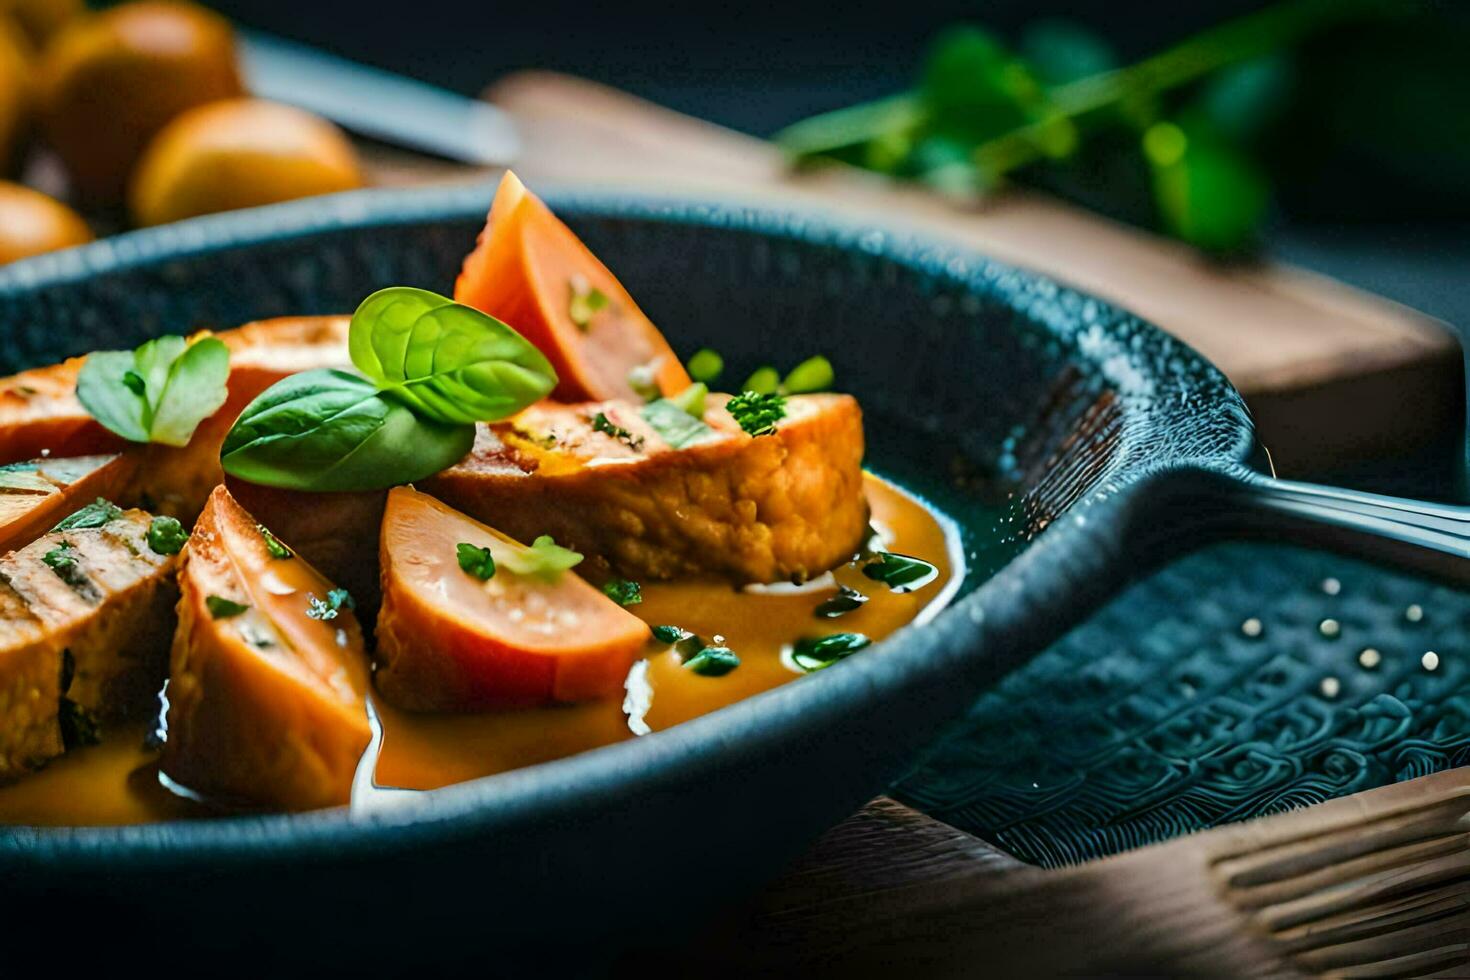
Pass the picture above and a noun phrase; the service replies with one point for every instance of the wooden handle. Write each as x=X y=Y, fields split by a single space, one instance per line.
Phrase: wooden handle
x=1370 y=885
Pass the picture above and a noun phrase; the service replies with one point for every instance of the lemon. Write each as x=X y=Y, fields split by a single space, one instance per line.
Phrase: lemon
x=239 y=153
x=109 y=82
x=32 y=223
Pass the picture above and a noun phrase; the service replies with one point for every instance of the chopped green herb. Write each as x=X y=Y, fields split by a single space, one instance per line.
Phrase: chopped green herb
x=691 y=399
x=134 y=382
x=587 y=301
x=643 y=379
x=713 y=661
x=544 y=558
x=623 y=592
x=601 y=423
x=95 y=514
x=166 y=536
x=79 y=727
x=706 y=366
x=673 y=424
x=670 y=634
x=475 y=560
x=273 y=544
x=325 y=609
x=765 y=381
x=756 y=413
x=63 y=561
x=813 y=374
x=816 y=652
x=900 y=572
x=222 y=608
x=845 y=601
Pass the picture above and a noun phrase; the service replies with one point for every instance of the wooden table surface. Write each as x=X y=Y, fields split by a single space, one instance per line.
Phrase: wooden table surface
x=1367 y=885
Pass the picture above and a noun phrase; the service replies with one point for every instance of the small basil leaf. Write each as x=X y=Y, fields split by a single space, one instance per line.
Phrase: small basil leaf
x=670 y=634
x=713 y=661
x=900 y=572
x=451 y=363
x=95 y=514
x=159 y=392
x=623 y=591
x=221 y=608
x=673 y=424
x=845 y=601
x=327 y=430
x=814 y=653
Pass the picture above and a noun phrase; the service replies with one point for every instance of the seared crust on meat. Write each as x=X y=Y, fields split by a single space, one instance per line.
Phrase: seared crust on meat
x=784 y=506
x=96 y=635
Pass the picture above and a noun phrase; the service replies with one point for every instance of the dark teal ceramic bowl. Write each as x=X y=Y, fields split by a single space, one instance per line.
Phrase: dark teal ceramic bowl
x=1074 y=445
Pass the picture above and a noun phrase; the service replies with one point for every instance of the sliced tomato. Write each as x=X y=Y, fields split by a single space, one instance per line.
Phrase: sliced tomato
x=268 y=680
x=451 y=641
x=531 y=271
x=35 y=495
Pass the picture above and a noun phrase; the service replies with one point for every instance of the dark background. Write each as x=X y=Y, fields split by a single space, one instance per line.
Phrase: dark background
x=758 y=66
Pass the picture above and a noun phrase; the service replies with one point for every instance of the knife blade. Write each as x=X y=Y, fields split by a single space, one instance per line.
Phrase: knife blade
x=378 y=104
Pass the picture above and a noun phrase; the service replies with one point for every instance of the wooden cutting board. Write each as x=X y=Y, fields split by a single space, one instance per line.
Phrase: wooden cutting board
x=1367 y=885
x=1331 y=373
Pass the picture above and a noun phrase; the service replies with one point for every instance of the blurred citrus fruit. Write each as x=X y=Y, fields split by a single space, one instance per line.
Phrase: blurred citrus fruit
x=238 y=154
x=16 y=93
x=32 y=223
x=41 y=19
x=109 y=82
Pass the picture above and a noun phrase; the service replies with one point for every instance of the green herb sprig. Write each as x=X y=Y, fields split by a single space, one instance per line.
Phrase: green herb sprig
x=430 y=368
x=623 y=591
x=166 y=536
x=159 y=392
x=475 y=560
x=756 y=413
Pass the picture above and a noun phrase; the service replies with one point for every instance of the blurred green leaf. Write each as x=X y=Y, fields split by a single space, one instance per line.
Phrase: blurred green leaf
x=1061 y=51
x=1208 y=192
x=1242 y=101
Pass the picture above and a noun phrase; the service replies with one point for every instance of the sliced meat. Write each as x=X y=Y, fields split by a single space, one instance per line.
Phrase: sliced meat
x=777 y=507
x=85 y=615
x=268 y=676
x=35 y=495
x=531 y=271
x=457 y=639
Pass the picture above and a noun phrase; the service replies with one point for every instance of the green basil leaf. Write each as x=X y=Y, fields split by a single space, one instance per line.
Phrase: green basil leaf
x=196 y=387
x=816 y=652
x=451 y=363
x=327 y=430
x=713 y=661
x=673 y=424
x=159 y=392
x=96 y=514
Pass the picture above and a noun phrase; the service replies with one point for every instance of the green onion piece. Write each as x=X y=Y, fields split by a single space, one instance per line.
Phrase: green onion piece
x=673 y=424
x=166 y=536
x=814 y=653
x=586 y=302
x=691 y=399
x=765 y=381
x=544 y=558
x=222 y=608
x=757 y=414
x=706 y=366
x=812 y=374
x=273 y=544
x=475 y=560
x=713 y=662
x=623 y=592
x=900 y=572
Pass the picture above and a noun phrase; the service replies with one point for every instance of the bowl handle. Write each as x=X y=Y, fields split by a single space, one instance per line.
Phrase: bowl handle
x=1426 y=537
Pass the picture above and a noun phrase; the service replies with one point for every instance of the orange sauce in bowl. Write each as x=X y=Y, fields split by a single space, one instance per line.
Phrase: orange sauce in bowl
x=117 y=782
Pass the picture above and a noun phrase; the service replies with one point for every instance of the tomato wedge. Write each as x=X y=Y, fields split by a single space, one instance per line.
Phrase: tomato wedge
x=268 y=679
x=450 y=641
x=531 y=271
x=36 y=494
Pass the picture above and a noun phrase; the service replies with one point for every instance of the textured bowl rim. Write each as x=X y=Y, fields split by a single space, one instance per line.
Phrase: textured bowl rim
x=1190 y=385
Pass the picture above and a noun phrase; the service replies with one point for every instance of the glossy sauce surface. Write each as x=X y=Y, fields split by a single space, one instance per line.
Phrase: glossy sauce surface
x=117 y=782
